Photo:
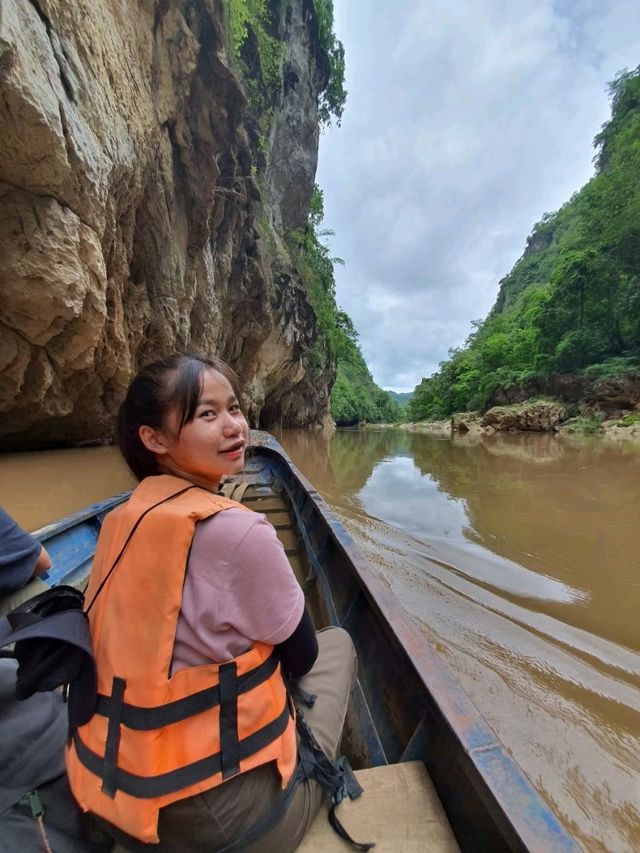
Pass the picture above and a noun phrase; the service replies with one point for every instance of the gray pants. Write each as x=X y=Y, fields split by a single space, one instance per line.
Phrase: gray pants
x=209 y=821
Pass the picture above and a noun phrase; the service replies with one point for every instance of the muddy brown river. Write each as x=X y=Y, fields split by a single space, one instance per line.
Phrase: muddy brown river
x=517 y=556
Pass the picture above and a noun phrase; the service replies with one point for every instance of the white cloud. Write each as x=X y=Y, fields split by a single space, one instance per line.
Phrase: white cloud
x=464 y=123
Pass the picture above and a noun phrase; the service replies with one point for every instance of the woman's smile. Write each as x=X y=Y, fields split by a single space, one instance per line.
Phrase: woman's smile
x=235 y=451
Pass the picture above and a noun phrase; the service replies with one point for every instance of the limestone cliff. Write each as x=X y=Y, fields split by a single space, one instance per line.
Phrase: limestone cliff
x=142 y=204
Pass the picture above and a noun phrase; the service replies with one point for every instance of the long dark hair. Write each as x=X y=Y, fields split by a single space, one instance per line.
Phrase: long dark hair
x=173 y=382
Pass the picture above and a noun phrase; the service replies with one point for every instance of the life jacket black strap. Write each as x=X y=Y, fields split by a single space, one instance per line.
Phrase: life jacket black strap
x=149 y=787
x=299 y=695
x=347 y=787
x=110 y=769
x=146 y=719
x=229 y=744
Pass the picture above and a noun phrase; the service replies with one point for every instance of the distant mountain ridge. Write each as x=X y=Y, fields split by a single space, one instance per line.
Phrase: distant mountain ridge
x=402 y=398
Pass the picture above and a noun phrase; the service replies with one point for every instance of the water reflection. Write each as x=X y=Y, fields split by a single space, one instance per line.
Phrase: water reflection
x=399 y=493
x=550 y=519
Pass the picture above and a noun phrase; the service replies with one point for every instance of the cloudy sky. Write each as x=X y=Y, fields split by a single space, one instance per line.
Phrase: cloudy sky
x=465 y=122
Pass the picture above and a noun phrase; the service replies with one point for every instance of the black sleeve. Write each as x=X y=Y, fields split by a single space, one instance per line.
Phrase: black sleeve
x=298 y=654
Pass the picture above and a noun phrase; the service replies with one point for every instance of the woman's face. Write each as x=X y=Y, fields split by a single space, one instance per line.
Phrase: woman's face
x=212 y=444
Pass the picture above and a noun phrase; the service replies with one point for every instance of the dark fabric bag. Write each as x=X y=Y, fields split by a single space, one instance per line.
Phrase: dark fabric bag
x=53 y=649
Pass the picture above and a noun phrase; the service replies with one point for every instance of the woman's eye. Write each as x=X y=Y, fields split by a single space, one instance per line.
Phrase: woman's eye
x=235 y=407
x=207 y=413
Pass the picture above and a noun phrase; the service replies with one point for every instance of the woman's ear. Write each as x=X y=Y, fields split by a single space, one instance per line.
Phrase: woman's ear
x=153 y=440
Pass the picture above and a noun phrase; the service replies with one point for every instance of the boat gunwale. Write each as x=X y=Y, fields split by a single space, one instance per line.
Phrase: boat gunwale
x=48 y=531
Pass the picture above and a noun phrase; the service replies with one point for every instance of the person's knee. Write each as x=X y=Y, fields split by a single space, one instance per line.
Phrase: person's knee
x=335 y=644
x=336 y=637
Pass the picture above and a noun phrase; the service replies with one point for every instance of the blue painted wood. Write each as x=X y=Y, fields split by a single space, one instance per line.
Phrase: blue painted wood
x=71 y=542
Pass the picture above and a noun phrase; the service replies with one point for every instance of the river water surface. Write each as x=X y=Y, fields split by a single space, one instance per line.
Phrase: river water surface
x=519 y=559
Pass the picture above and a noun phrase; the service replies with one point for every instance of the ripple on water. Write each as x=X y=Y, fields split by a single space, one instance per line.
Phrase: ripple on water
x=565 y=703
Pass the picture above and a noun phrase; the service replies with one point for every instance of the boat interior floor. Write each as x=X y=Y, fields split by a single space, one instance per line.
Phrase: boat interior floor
x=399 y=811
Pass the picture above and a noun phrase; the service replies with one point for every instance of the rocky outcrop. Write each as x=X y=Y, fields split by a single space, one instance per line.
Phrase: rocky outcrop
x=442 y=428
x=570 y=387
x=624 y=430
x=137 y=211
x=295 y=133
x=467 y=423
x=535 y=416
x=612 y=396
x=615 y=396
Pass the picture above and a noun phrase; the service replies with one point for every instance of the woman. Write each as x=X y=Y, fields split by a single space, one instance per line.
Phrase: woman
x=196 y=617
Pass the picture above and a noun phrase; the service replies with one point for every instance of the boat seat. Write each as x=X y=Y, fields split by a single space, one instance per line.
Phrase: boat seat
x=233 y=490
x=400 y=811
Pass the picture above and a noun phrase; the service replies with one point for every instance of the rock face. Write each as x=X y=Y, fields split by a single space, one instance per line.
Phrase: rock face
x=615 y=396
x=536 y=416
x=612 y=396
x=291 y=166
x=569 y=387
x=132 y=212
x=466 y=423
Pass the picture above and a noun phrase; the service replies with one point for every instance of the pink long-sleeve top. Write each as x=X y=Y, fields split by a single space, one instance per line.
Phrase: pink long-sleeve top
x=239 y=588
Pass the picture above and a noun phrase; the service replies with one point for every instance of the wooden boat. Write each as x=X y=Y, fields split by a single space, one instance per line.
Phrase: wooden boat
x=436 y=776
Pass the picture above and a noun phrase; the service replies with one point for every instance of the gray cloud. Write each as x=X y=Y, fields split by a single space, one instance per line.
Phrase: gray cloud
x=465 y=122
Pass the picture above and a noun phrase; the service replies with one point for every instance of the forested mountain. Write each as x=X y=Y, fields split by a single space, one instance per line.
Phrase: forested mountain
x=571 y=304
x=354 y=397
x=402 y=398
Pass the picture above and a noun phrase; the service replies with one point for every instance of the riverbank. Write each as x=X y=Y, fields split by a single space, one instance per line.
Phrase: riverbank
x=542 y=415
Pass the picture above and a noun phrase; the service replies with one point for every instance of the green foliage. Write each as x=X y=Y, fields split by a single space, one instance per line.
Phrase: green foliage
x=334 y=96
x=583 y=425
x=630 y=420
x=355 y=397
x=612 y=367
x=572 y=302
x=315 y=266
x=402 y=398
x=624 y=92
x=238 y=16
x=316 y=207
x=258 y=52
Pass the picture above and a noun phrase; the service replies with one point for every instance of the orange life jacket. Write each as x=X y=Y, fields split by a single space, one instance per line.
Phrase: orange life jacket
x=159 y=736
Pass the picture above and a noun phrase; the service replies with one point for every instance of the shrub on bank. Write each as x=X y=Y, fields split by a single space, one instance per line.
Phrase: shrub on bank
x=630 y=420
x=590 y=425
